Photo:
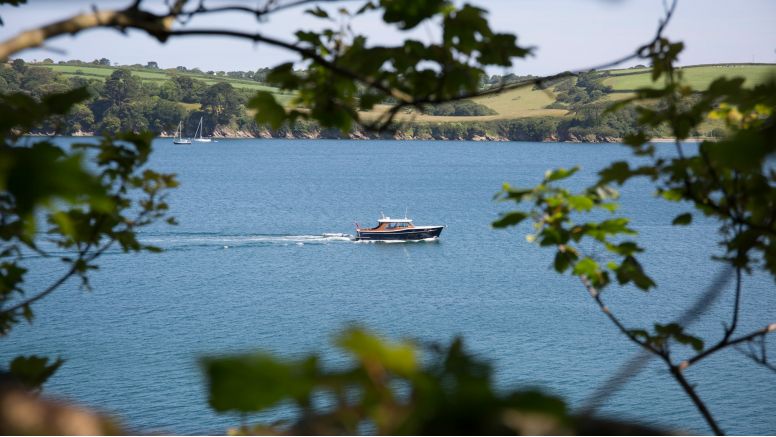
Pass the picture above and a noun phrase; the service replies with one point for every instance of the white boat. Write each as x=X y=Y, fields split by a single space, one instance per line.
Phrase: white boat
x=200 y=138
x=179 y=136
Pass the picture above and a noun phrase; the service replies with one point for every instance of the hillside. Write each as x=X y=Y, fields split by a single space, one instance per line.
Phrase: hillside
x=514 y=104
x=698 y=76
x=102 y=72
x=530 y=102
x=144 y=98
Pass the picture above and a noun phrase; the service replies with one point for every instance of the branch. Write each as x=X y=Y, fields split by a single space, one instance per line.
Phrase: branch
x=155 y=25
x=676 y=372
x=82 y=256
x=762 y=332
x=596 y=295
x=762 y=358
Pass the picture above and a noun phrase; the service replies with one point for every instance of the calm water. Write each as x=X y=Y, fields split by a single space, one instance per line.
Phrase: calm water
x=246 y=269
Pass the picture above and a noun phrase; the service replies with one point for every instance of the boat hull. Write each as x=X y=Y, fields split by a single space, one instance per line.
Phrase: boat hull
x=411 y=234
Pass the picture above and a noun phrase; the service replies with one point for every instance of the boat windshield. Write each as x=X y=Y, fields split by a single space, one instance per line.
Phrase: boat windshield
x=394 y=225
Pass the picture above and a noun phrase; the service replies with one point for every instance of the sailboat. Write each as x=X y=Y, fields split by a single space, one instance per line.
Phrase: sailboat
x=179 y=135
x=200 y=138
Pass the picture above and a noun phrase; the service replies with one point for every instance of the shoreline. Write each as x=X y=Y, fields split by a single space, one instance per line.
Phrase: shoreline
x=396 y=136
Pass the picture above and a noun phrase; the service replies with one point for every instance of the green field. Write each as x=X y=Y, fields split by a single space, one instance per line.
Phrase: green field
x=699 y=77
x=97 y=71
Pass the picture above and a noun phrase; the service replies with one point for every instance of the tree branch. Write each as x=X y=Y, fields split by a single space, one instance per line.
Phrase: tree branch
x=676 y=372
x=762 y=332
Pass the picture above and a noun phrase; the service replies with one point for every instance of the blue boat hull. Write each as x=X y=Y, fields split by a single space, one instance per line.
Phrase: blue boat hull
x=412 y=234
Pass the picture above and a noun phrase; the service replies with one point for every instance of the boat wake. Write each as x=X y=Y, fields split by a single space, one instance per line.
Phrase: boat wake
x=173 y=242
x=194 y=241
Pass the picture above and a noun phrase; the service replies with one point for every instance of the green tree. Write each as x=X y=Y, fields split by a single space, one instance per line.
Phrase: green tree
x=221 y=101
x=122 y=87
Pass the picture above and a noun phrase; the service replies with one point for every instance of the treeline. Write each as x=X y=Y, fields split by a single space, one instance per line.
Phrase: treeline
x=462 y=108
x=122 y=102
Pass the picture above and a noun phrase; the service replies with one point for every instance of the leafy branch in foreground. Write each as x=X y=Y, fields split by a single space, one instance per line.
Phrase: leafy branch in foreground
x=730 y=181
x=389 y=388
x=53 y=206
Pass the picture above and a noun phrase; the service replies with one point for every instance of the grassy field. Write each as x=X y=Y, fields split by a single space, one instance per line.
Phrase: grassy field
x=699 y=77
x=97 y=71
x=518 y=103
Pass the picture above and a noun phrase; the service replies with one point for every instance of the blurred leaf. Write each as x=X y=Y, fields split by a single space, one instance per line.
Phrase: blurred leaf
x=249 y=383
x=511 y=218
x=268 y=110
x=368 y=348
x=682 y=219
x=33 y=371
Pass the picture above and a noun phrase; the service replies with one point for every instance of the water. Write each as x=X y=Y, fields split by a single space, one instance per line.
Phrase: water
x=248 y=268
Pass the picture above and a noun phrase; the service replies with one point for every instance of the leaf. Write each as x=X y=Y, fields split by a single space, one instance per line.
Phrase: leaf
x=509 y=219
x=373 y=351
x=249 y=383
x=33 y=371
x=268 y=110
x=580 y=203
x=318 y=12
x=409 y=13
x=586 y=267
x=630 y=270
x=559 y=173
x=682 y=219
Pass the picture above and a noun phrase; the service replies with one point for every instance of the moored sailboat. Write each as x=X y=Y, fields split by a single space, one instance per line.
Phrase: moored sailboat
x=201 y=138
x=179 y=135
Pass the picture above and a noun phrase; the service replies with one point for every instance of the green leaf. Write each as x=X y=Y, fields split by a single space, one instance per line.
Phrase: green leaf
x=318 y=12
x=630 y=270
x=587 y=267
x=509 y=219
x=563 y=260
x=33 y=371
x=580 y=203
x=682 y=219
x=409 y=13
x=249 y=383
x=268 y=110
x=374 y=351
x=559 y=173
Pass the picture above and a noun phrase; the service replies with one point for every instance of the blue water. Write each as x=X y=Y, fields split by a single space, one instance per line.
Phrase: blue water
x=247 y=268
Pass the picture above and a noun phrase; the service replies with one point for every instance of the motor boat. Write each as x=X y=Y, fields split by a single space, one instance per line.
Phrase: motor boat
x=393 y=229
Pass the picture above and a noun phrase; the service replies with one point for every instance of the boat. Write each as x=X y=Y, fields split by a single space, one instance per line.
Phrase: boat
x=393 y=229
x=179 y=136
x=200 y=138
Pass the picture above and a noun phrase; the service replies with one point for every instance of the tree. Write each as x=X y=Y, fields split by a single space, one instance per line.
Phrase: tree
x=19 y=65
x=121 y=87
x=104 y=61
x=152 y=65
x=221 y=101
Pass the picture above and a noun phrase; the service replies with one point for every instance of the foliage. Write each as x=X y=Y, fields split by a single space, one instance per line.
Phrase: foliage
x=459 y=108
x=389 y=388
x=730 y=181
x=82 y=210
